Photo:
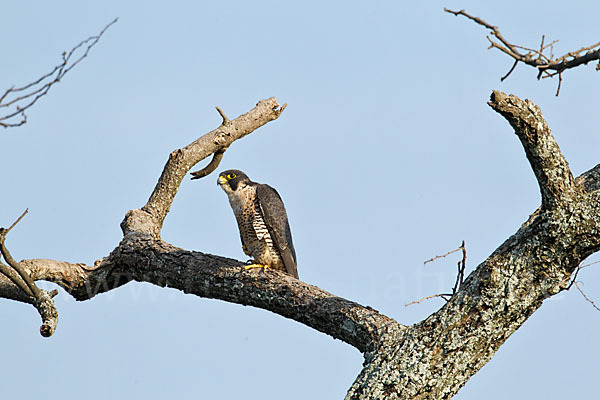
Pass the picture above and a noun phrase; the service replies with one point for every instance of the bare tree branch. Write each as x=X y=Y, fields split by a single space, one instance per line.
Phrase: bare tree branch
x=460 y=274
x=546 y=64
x=144 y=259
x=433 y=296
x=41 y=299
x=214 y=163
x=32 y=290
x=17 y=100
x=150 y=218
x=442 y=256
x=430 y=359
x=435 y=358
x=549 y=165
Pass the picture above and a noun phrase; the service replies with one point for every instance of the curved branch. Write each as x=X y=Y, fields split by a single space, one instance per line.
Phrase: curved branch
x=431 y=359
x=436 y=357
x=549 y=165
x=144 y=259
x=182 y=160
x=214 y=163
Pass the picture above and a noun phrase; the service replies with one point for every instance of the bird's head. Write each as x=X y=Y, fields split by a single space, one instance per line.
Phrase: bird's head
x=231 y=179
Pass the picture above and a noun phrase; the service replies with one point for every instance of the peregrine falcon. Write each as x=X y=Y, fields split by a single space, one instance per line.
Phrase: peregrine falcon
x=262 y=221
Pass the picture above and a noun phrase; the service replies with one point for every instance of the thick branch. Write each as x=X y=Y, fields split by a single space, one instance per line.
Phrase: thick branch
x=435 y=358
x=550 y=167
x=144 y=259
x=431 y=359
x=182 y=160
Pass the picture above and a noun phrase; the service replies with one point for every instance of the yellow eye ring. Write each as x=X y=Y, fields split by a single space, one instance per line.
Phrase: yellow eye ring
x=231 y=176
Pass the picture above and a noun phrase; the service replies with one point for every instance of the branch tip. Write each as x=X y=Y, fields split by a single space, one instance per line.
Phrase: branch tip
x=16 y=222
x=551 y=169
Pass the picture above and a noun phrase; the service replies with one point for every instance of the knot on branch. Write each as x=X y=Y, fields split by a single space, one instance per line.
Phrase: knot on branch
x=140 y=221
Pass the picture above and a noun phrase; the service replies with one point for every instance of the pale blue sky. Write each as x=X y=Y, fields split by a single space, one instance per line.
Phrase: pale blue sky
x=386 y=156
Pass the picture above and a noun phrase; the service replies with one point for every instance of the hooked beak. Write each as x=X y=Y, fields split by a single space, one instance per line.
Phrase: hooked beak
x=221 y=180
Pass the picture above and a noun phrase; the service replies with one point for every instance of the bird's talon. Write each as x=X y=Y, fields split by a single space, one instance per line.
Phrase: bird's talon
x=246 y=251
x=251 y=266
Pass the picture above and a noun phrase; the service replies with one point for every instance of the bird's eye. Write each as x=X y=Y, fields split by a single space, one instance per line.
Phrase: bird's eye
x=231 y=176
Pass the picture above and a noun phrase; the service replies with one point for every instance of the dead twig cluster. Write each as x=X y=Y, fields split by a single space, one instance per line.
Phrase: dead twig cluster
x=541 y=58
x=16 y=100
x=460 y=275
x=39 y=298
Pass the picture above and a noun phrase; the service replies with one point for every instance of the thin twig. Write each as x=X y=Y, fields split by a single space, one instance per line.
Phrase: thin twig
x=34 y=290
x=442 y=295
x=461 y=269
x=459 y=276
x=587 y=265
x=17 y=221
x=442 y=256
x=584 y=296
x=574 y=277
x=510 y=71
x=27 y=95
x=41 y=299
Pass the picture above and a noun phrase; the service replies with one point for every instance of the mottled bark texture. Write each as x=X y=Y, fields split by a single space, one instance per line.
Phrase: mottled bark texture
x=432 y=359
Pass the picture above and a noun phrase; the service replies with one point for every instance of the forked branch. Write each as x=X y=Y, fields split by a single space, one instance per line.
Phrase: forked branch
x=433 y=358
x=41 y=299
x=15 y=101
x=541 y=58
x=460 y=275
x=152 y=215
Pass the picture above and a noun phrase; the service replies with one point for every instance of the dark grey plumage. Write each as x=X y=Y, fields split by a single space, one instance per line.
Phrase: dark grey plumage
x=262 y=221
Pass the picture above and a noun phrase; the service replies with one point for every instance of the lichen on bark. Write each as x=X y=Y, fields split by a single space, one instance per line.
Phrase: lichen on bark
x=431 y=359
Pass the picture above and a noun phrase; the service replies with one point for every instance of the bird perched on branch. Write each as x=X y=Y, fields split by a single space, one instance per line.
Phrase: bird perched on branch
x=262 y=221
